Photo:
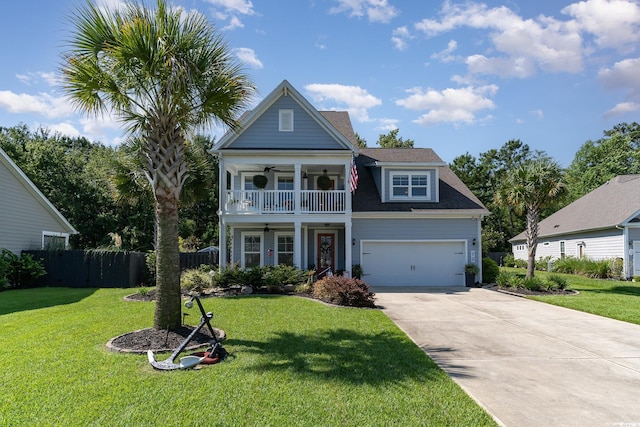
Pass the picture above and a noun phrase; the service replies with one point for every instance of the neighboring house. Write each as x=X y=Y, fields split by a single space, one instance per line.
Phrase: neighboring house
x=27 y=219
x=410 y=221
x=602 y=224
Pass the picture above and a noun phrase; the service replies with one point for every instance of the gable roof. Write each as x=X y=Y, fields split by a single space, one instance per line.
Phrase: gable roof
x=326 y=120
x=454 y=194
x=35 y=192
x=612 y=204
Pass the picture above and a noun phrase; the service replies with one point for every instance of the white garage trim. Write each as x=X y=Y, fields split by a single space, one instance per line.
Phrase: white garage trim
x=414 y=262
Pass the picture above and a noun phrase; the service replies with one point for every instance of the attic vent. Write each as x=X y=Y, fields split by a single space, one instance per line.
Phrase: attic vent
x=556 y=226
x=286 y=121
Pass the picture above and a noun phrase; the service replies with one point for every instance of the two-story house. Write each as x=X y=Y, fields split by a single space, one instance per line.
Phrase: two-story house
x=296 y=189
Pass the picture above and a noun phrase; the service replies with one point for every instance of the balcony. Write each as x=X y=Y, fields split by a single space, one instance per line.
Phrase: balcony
x=285 y=201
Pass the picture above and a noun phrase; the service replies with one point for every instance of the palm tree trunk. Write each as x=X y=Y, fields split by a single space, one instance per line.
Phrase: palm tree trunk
x=533 y=217
x=168 y=303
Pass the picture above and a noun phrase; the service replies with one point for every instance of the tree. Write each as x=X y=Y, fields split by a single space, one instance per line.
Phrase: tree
x=163 y=73
x=596 y=162
x=391 y=140
x=529 y=188
x=362 y=143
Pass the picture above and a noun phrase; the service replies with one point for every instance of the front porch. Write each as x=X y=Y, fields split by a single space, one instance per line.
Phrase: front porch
x=285 y=201
x=318 y=244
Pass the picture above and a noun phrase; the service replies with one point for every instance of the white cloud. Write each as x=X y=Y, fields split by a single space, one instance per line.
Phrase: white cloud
x=249 y=57
x=624 y=74
x=449 y=105
x=241 y=7
x=400 y=36
x=445 y=55
x=539 y=114
x=614 y=23
x=354 y=99
x=43 y=104
x=65 y=128
x=385 y=124
x=522 y=45
x=51 y=79
x=623 y=108
x=231 y=10
x=375 y=10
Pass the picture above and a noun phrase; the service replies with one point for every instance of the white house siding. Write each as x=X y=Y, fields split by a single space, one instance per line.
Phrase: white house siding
x=416 y=229
x=23 y=217
x=600 y=244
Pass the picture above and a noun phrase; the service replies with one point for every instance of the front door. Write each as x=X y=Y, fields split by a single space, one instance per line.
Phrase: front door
x=326 y=251
x=636 y=257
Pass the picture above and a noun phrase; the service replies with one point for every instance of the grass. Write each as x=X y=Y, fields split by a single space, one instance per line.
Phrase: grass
x=609 y=298
x=293 y=362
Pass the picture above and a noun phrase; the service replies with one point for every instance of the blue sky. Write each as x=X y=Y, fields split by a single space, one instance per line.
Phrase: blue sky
x=454 y=76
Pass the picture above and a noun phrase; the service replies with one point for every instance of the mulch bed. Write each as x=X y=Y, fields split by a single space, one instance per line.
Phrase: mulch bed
x=527 y=292
x=162 y=340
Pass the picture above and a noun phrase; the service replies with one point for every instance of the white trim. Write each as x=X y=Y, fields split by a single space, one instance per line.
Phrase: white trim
x=243 y=234
x=285 y=120
x=55 y=234
x=276 y=251
x=243 y=180
x=410 y=174
x=278 y=175
x=421 y=213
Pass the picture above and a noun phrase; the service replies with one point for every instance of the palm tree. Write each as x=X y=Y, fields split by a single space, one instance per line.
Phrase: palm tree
x=530 y=188
x=164 y=73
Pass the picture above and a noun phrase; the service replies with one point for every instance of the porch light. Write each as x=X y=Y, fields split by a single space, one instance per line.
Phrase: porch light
x=474 y=242
x=266 y=228
x=304 y=175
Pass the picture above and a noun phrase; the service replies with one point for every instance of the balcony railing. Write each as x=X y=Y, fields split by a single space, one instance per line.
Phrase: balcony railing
x=285 y=201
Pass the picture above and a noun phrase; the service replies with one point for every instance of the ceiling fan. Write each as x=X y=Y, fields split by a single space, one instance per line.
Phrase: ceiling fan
x=268 y=169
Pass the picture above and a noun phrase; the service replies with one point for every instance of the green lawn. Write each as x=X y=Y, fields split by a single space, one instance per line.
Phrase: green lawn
x=609 y=298
x=294 y=362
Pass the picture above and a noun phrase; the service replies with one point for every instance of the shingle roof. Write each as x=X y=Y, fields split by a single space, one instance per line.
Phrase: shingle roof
x=454 y=194
x=611 y=204
x=341 y=121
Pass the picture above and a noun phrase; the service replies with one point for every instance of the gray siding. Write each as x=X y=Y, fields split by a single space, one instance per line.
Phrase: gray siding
x=23 y=218
x=432 y=184
x=415 y=229
x=307 y=133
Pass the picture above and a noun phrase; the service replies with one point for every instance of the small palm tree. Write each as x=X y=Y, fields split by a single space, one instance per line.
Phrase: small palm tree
x=163 y=73
x=530 y=188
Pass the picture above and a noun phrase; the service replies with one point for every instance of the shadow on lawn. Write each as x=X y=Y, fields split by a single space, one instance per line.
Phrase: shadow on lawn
x=15 y=300
x=343 y=355
x=620 y=290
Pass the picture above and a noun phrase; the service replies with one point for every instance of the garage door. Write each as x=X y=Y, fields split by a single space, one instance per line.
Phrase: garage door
x=413 y=263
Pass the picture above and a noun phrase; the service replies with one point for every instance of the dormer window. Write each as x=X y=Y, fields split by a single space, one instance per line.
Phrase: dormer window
x=410 y=186
x=286 y=121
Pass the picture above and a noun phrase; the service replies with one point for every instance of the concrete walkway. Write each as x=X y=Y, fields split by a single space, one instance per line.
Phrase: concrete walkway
x=527 y=363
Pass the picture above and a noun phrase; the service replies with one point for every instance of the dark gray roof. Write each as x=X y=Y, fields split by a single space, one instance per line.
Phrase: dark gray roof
x=609 y=205
x=454 y=194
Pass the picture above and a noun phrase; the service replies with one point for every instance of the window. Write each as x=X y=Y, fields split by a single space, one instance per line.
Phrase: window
x=285 y=182
x=286 y=121
x=54 y=241
x=284 y=249
x=251 y=250
x=562 y=252
x=410 y=185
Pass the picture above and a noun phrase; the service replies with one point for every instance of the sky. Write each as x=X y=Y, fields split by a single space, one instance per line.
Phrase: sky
x=454 y=76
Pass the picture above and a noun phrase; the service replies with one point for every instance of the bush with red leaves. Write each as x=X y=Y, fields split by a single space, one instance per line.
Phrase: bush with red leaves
x=343 y=291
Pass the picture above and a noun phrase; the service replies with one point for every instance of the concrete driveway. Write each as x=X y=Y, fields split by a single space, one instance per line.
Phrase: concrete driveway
x=527 y=363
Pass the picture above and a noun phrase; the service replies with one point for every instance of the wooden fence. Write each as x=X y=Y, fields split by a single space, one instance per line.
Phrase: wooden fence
x=102 y=269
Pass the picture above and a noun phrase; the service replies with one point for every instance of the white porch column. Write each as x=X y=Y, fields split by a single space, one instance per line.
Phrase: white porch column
x=297 y=178
x=348 y=247
x=297 y=244
x=222 y=244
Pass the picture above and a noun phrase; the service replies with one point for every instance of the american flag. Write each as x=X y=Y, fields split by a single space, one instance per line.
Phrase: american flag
x=353 y=182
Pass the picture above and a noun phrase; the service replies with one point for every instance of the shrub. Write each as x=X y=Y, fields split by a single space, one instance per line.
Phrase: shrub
x=557 y=282
x=517 y=281
x=533 y=283
x=503 y=280
x=568 y=265
x=617 y=268
x=194 y=280
x=19 y=272
x=509 y=260
x=490 y=270
x=230 y=276
x=343 y=291
x=520 y=263
x=597 y=269
x=150 y=260
x=542 y=264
